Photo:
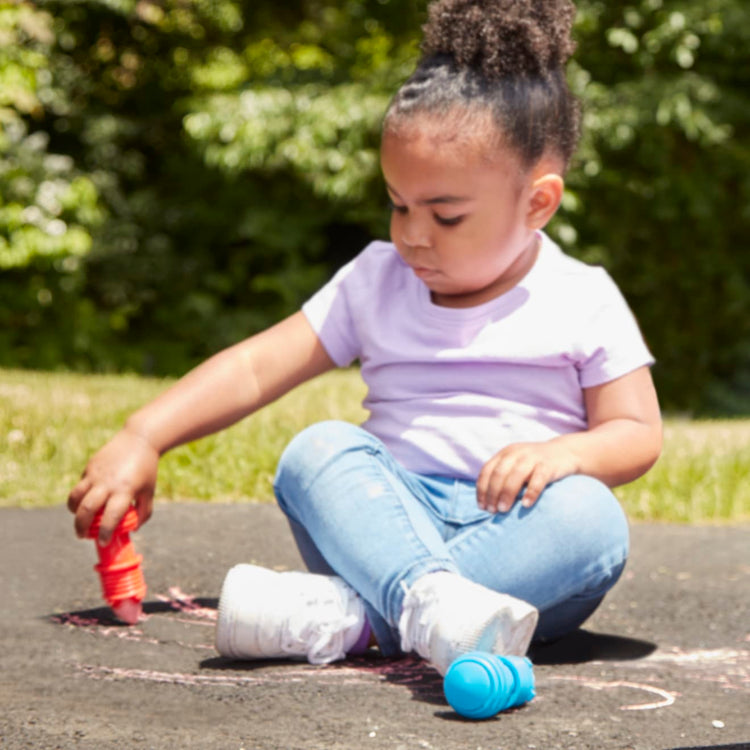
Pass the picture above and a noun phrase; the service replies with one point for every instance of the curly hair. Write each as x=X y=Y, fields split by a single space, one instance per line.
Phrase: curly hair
x=507 y=57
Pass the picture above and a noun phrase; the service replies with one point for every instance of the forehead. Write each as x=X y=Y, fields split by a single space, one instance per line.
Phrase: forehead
x=459 y=135
x=443 y=152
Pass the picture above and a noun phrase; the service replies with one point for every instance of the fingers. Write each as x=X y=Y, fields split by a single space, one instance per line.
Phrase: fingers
x=536 y=484
x=120 y=474
x=86 y=500
x=117 y=506
x=500 y=483
x=87 y=508
x=144 y=505
x=78 y=493
x=517 y=469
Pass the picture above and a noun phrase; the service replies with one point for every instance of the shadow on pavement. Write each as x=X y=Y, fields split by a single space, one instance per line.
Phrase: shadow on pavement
x=582 y=646
x=426 y=685
x=103 y=615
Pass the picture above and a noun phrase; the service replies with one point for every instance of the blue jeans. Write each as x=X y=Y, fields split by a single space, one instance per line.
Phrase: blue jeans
x=354 y=511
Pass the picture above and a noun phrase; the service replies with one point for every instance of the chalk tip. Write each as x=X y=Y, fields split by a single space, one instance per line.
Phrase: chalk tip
x=128 y=610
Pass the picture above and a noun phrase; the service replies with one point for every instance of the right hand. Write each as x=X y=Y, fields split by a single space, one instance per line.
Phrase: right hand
x=119 y=475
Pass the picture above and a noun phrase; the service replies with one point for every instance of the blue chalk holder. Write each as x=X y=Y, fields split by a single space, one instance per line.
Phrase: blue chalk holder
x=479 y=685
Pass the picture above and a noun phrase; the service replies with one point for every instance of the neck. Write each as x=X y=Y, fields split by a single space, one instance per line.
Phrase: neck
x=512 y=276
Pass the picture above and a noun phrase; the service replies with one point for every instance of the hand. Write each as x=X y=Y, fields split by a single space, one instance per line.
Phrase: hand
x=120 y=474
x=529 y=465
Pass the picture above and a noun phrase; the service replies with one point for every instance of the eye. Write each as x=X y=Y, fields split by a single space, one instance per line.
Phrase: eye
x=451 y=221
x=398 y=209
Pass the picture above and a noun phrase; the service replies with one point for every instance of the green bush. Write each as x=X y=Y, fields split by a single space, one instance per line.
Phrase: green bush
x=661 y=192
x=178 y=174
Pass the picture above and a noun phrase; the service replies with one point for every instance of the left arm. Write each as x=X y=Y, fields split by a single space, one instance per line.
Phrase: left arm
x=622 y=442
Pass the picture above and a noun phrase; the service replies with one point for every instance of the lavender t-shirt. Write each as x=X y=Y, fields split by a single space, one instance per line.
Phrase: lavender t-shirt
x=448 y=388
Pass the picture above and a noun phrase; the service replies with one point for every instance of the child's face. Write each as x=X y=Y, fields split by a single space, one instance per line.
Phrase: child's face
x=460 y=222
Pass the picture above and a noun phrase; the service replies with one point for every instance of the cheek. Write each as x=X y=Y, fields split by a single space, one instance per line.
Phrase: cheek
x=396 y=232
x=503 y=229
x=393 y=226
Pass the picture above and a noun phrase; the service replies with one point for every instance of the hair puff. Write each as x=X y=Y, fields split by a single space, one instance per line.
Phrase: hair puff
x=501 y=37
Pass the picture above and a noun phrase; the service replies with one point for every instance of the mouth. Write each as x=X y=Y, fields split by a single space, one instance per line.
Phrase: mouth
x=422 y=271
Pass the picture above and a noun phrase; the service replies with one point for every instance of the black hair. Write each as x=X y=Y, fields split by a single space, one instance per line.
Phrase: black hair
x=505 y=57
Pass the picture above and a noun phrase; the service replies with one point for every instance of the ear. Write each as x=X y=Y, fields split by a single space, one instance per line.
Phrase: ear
x=544 y=199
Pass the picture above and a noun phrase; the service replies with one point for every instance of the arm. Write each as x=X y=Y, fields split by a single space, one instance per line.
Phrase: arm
x=225 y=388
x=622 y=442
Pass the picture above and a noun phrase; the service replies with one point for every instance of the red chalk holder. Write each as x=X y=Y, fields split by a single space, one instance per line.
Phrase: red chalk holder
x=119 y=568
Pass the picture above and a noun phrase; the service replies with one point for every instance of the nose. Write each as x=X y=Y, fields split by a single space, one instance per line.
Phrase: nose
x=415 y=234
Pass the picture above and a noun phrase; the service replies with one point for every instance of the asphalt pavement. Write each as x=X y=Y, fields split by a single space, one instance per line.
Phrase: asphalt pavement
x=663 y=664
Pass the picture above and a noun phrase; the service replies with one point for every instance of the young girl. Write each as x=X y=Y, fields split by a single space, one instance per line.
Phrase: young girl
x=508 y=385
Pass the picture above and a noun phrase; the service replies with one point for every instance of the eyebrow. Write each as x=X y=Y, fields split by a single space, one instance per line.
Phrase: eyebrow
x=436 y=199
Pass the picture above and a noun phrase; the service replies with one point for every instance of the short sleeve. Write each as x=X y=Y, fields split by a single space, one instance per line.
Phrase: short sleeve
x=329 y=313
x=612 y=343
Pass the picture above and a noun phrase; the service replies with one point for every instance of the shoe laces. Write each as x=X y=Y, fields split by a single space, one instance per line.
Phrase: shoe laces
x=317 y=626
x=417 y=619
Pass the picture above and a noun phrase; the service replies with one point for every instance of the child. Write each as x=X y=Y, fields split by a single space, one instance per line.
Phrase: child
x=508 y=385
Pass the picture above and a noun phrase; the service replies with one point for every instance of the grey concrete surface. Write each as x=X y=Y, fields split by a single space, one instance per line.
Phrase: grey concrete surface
x=664 y=663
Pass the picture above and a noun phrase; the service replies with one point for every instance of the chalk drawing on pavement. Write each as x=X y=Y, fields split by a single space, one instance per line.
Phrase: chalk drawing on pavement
x=667 y=697
x=727 y=668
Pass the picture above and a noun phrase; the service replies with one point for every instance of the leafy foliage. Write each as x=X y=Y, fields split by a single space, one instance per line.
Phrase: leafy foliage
x=46 y=202
x=661 y=194
x=178 y=174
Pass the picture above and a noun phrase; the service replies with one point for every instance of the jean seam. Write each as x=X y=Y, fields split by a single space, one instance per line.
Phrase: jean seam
x=426 y=556
x=399 y=482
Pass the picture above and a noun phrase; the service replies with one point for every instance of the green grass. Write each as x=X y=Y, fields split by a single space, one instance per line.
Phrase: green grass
x=51 y=423
x=703 y=475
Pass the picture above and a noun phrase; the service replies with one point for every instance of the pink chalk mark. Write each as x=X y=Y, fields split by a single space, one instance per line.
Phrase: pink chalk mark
x=67 y=618
x=180 y=678
x=702 y=664
x=186 y=621
x=186 y=604
x=94 y=626
x=351 y=676
x=128 y=610
x=405 y=672
x=667 y=697
x=702 y=657
x=197 y=646
x=728 y=666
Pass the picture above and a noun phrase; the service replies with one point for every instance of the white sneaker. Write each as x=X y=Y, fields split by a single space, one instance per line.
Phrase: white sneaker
x=446 y=615
x=264 y=614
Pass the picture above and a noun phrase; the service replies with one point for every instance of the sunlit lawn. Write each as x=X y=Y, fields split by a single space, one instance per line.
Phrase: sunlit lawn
x=51 y=423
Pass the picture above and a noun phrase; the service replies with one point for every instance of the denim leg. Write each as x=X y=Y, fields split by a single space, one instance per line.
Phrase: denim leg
x=355 y=511
x=561 y=555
